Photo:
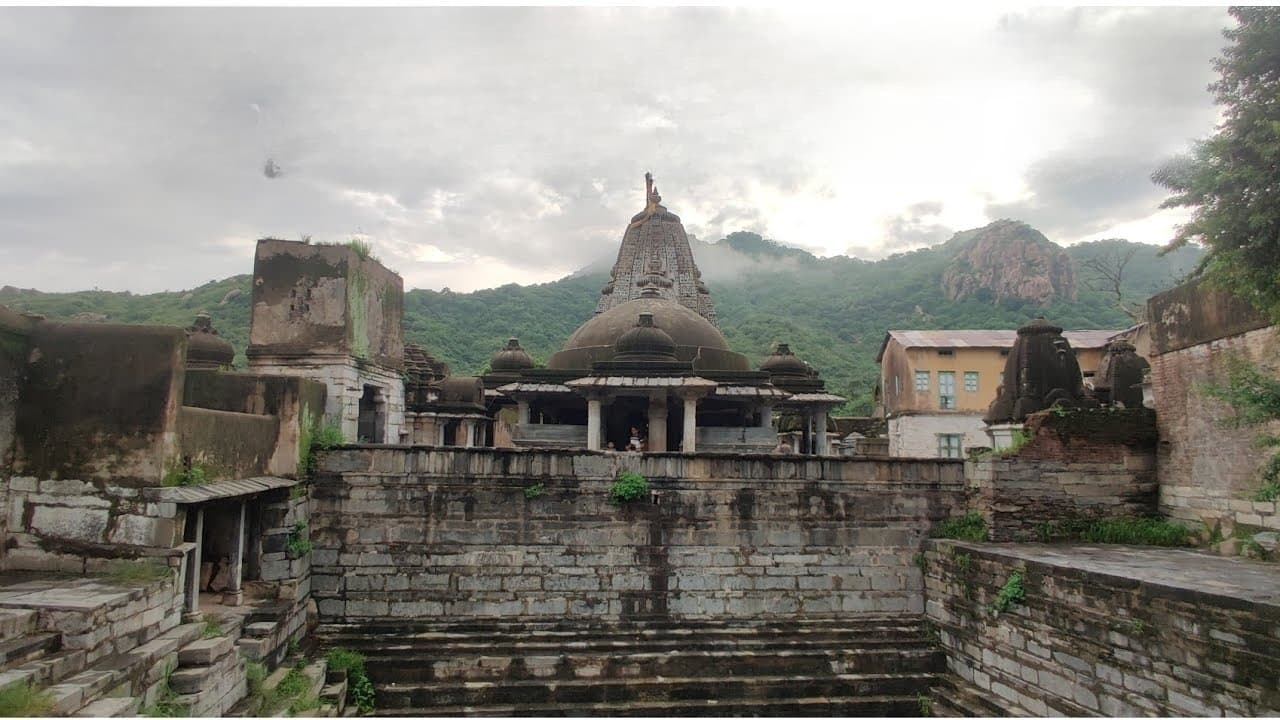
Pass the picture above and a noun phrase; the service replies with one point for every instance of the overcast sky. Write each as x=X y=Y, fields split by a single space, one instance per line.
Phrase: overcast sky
x=475 y=147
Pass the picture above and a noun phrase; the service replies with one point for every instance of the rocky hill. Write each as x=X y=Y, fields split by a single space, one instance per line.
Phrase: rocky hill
x=833 y=311
x=1009 y=260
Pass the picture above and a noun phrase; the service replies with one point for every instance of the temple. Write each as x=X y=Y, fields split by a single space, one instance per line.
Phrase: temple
x=651 y=365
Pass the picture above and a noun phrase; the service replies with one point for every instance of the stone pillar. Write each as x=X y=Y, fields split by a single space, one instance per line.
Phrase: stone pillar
x=468 y=433
x=193 y=566
x=234 y=594
x=522 y=412
x=593 y=423
x=441 y=425
x=690 y=440
x=820 y=432
x=766 y=416
x=658 y=423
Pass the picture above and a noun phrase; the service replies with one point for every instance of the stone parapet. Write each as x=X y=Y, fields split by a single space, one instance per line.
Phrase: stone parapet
x=466 y=535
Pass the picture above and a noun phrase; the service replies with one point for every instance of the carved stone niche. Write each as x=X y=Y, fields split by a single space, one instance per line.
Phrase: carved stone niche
x=1041 y=371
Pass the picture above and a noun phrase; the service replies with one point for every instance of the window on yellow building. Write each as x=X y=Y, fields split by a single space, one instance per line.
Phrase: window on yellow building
x=970 y=381
x=922 y=381
x=946 y=389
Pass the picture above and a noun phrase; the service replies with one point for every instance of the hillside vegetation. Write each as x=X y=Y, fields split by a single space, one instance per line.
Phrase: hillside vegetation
x=833 y=311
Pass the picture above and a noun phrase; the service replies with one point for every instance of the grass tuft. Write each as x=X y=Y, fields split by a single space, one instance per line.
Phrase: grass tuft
x=969 y=526
x=23 y=700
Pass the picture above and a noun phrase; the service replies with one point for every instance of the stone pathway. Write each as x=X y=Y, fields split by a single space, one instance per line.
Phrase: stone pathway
x=62 y=593
x=1250 y=580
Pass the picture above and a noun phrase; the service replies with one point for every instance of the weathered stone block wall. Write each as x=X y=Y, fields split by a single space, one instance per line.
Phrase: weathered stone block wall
x=228 y=445
x=473 y=535
x=344 y=380
x=15 y=332
x=1091 y=643
x=79 y=526
x=1089 y=463
x=917 y=435
x=100 y=402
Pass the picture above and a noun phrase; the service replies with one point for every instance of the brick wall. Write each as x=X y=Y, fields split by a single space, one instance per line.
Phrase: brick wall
x=1090 y=463
x=1208 y=470
x=453 y=535
x=1086 y=642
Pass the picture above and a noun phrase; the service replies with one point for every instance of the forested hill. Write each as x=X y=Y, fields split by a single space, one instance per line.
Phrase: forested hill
x=833 y=311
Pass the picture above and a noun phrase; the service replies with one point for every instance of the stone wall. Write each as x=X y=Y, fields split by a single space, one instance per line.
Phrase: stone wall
x=15 y=332
x=467 y=535
x=1209 y=471
x=100 y=402
x=344 y=379
x=1093 y=640
x=1088 y=463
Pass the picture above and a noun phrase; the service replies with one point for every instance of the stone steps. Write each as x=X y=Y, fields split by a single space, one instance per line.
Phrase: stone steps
x=112 y=707
x=46 y=670
x=493 y=664
x=25 y=648
x=861 y=666
x=951 y=698
x=758 y=689
x=868 y=706
x=16 y=622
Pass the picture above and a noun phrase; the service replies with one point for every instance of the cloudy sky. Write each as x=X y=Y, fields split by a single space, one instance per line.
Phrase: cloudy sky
x=475 y=147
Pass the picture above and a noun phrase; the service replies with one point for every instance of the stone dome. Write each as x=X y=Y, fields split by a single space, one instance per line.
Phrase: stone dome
x=510 y=358
x=645 y=341
x=205 y=348
x=785 y=363
x=695 y=338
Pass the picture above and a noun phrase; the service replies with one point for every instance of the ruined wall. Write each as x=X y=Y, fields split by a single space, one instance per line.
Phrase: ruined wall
x=291 y=404
x=325 y=300
x=1087 y=463
x=15 y=331
x=227 y=445
x=466 y=535
x=344 y=381
x=1208 y=470
x=1091 y=640
x=100 y=402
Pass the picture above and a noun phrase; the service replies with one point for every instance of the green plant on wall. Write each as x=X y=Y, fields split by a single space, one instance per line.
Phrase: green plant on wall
x=185 y=474
x=628 y=487
x=359 y=687
x=299 y=544
x=1116 y=531
x=316 y=436
x=1253 y=392
x=1012 y=593
x=535 y=491
x=970 y=526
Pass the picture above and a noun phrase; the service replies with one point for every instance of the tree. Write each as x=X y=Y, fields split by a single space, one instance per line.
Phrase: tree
x=1108 y=277
x=1232 y=179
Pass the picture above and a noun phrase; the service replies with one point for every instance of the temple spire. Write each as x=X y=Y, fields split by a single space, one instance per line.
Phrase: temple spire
x=651 y=196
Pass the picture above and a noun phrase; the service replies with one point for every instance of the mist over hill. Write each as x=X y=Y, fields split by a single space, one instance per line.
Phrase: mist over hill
x=833 y=311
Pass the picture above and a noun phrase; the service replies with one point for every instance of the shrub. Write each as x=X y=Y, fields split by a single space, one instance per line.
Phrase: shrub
x=359 y=687
x=317 y=437
x=212 y=628
x=534 y=492
x=629 y=487
x=969 y=526
x=184 y=475
x=1012 y=593
x=1116 y=531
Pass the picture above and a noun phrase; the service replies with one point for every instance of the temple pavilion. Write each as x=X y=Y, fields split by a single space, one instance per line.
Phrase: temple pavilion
x=652 y=361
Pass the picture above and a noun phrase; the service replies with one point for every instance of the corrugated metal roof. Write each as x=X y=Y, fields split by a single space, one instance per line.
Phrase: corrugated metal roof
x=188 y=494
x=991 y=338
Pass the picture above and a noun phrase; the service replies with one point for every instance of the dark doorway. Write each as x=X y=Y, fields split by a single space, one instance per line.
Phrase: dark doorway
x=373 y=416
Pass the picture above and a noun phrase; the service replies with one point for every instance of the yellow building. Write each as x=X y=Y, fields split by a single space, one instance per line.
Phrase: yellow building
x=935 y=385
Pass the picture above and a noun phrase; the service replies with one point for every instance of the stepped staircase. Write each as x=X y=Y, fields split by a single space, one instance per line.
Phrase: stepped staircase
x=865 y=666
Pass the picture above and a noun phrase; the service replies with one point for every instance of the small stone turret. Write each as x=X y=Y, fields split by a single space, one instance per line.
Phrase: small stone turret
x=645 y=342
x=511 y=358
x=1119 y=378
x=1041 y=371
x=206 y=350
x=785 y=363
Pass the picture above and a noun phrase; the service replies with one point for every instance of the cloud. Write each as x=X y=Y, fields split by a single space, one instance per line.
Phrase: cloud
x=478 y=146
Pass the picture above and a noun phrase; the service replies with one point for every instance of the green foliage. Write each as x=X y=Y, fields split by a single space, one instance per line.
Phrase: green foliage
x=1116 y=531
x=362 y=248
x=136 y=572
x=925 y=704
x=254 y=674
x=316 y=436
x=288 y=692
x=964 y=563
x=1012 y=593
x=212 y=628
x=1229 y=179
x=921 y=561
x=24 y=700
x=833 y=311
x=360 y=688
x=299 y=543
x=969 y=526
x=628 y=487
x=1253 y=392
x=535 y=491
x=166 y=704
x=184 y=475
